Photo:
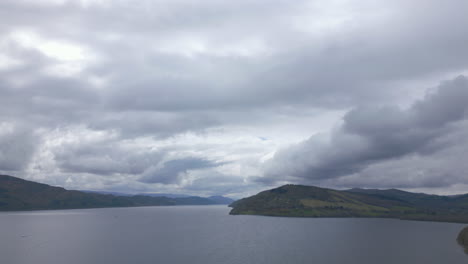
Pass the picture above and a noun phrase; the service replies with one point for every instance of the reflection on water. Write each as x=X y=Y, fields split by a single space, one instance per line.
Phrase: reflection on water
x=462 y=239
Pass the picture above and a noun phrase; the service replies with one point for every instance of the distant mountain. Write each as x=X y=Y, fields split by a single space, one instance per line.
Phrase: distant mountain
x=18 y=194
x=107 y=192
x=221 y=199
x=310 y=201
x=197 y=199
x=203 y=200
x=170 y=195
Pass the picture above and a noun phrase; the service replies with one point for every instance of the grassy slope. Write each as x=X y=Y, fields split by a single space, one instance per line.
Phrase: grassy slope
x=309 y=201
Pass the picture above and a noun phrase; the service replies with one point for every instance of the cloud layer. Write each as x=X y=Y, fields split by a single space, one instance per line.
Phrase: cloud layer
x=198 y=96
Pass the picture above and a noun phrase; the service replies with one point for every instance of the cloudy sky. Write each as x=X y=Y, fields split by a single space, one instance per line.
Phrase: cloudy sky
x=232 y=97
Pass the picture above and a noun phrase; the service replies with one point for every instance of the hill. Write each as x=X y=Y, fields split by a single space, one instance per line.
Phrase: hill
x=310 y=201
x=462 y=239
x=18 y=194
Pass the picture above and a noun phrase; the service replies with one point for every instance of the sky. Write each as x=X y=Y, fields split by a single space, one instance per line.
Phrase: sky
x=233 y=97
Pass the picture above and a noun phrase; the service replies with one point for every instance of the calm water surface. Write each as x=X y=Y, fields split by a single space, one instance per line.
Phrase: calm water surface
x=207 y=234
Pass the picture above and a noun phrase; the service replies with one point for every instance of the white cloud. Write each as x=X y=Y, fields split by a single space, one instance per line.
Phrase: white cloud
x=69 y=59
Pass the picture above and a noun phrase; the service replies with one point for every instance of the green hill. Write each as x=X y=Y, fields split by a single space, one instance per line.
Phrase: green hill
x=18 y=194
x=310 y=201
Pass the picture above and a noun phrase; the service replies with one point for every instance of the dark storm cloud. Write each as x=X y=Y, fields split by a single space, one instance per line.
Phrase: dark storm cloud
x=172 y=171
x=437 y=169
x=370 y=135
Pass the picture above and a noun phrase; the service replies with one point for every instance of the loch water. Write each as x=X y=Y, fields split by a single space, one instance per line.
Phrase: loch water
x=209 y=235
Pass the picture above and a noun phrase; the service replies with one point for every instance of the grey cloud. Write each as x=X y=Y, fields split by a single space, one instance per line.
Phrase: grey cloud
x=17 y=147
x=174 y=67
x=105 y=157
x=39 y=100
x=298 y=71
x=441 y=169
x=172 y=171
x=304 y=73
x=157 y=124
x=215 y=183
x=449 y=104
x=370 y=135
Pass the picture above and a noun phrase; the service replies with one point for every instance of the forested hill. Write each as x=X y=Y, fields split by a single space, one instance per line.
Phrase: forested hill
x=18 y=194
x=310 y=201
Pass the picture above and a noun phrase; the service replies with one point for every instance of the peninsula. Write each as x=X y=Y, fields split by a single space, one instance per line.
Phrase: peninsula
x=310 y=201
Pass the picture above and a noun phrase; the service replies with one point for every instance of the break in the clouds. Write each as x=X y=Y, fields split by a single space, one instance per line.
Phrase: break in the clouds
x=230 y=97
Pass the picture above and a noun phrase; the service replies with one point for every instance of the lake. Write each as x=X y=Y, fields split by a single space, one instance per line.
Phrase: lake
x=207 y=234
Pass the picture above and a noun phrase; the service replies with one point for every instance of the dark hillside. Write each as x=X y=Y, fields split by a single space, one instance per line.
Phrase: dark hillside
x=18 y=194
